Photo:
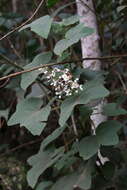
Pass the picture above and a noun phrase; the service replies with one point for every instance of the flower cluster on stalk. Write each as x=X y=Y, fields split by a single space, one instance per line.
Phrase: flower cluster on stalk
x=62 y=81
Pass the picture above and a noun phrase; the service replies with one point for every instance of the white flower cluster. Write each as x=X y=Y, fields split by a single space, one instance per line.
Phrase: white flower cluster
x=62 y=81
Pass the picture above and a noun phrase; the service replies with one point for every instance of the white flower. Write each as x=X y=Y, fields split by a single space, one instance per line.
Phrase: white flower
x=62 y=81
x=48 y=77
x=77 y=79
x=56 y=69
x=81 y=87
x=57 y=93
x=40 y=69
x=65 y=77
x=74 y=85
x=43 y=70
x=66 y=70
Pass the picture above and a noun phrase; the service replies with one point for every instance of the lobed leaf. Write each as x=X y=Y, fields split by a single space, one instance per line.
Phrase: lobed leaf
x=43 y=185
x=40 y=162
x=29 y=115
x=80 y=179
x=28 y=78
x=71 y=20
x=71 y=37
x=90 y=92
x=40 y=26
x=55 y=134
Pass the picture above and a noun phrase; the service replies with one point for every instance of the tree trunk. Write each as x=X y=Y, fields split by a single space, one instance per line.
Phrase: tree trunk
x=14 y=5
x=90 y=48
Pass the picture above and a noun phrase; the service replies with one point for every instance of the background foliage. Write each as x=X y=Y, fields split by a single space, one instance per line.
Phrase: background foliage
x=52 y=137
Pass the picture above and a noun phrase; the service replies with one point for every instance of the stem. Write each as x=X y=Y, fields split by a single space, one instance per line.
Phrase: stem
x=122 y=81
x=61 y=63
x=24 y=23
x=74 y=126
x=14 y=64
x=22 y=146
x=14 y=49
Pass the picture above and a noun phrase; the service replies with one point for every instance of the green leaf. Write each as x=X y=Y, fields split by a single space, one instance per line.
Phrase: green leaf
x=80 y=179
x=67 y=159
x=62 y=45
x=90 y=92
x=108 y=170
x=84 y=180
x=65 y=162
x=58 y=29
x=63 y=57
x=51 y=3
x=40 y=26
x=88 y=74
x=43 y=185
x=112 y=109
x=88 y=146
x=107 y=132
x=4 y=113
x=71 y=20
x=30 y=116
x=40 y=162
x=72 y=37
x=65 y=183
x=25 y=107
x=78 y=32
x=55 y=134
x=30 y=77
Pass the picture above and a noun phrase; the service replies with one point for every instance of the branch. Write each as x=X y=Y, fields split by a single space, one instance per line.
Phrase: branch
x=18 y=27
x=61 y=63
x=122 y=81
x=14 y=49
x=14 y=64
x=74 y=127
x=22 y=146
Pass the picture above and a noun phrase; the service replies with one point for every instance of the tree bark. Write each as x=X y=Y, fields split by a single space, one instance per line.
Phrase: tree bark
x=90 y=48
x=14 y=5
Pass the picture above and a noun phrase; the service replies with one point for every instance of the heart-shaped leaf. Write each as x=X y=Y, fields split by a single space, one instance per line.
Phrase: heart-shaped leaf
x=88 y=146
x=107 y=132
x=112 y=109
x=40 y=26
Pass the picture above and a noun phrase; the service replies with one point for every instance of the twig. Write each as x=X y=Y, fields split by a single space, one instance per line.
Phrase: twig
x=74 y=126
x=4 y=84
x=14 y=49
x=14 y=64
x=85 y=5
x=21 y=146
x=43 y=89
x=61 y=63
x=18 y=27
x=122 y=82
